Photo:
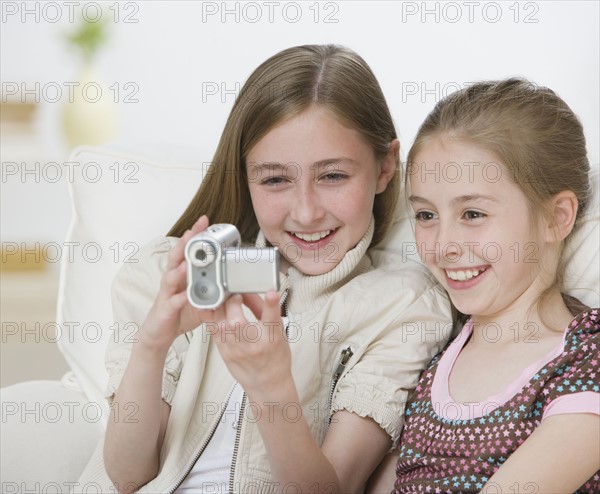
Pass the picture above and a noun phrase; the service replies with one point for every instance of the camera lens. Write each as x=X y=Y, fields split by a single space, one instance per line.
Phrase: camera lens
x=203 y=253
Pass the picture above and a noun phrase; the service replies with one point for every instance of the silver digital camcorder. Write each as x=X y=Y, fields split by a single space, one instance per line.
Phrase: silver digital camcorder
x=218 y=266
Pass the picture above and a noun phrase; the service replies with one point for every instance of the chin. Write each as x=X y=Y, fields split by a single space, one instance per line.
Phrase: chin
x=465 y=307
x=313 y=269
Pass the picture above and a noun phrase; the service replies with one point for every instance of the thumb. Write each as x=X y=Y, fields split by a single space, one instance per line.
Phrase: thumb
x=254 y=303
x=271 y=311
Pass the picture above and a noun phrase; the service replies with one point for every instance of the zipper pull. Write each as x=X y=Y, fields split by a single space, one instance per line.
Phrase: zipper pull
x=346 y=355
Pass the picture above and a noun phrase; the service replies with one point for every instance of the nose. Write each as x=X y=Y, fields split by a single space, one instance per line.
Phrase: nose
x=447 y=246
x=307 y=208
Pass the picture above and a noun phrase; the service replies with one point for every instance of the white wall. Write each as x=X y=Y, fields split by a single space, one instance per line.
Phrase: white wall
x=175 y=49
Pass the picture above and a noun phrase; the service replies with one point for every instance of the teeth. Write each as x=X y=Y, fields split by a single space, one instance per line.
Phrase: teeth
x=464 y=275
x=312 y=237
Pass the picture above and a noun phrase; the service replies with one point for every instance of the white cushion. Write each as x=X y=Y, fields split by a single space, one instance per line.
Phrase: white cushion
x=121 y=215
x=137 y=197
x=582 y=277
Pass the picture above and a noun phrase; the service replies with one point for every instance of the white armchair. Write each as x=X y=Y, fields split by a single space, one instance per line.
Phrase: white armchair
x=122 y=198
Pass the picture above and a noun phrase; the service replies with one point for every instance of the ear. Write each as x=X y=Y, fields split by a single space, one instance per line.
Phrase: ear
x=388 y=166
x=563 y=212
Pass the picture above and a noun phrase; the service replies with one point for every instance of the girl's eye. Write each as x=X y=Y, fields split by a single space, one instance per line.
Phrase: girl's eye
x=277 y=180
x=423 y=216
x=333 y=177
x=473 y=215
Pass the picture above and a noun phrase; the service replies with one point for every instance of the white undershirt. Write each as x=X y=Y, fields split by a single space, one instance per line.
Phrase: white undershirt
x=211 y=472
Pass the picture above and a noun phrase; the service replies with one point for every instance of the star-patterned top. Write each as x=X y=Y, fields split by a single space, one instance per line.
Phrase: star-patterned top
x=449 y=447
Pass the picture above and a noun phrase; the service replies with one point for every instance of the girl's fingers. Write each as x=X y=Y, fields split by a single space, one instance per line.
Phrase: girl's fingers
x=234 y=315
x=176 y=255
x=179 y=300
x=201 y=224
x=271 y=311
x=218 y=314
x=254 y=303
x=175 y=280
x=206 y=314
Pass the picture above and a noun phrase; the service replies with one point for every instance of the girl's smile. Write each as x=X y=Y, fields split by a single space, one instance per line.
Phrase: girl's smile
x=312 y=240
x=461 y=279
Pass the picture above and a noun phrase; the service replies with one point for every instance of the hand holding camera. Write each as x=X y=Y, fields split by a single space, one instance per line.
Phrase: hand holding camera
x=204 y=267
x=217 y=266
x=171 y=314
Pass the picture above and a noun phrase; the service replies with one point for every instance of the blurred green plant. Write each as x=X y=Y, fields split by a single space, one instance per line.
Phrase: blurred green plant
x=89 y=37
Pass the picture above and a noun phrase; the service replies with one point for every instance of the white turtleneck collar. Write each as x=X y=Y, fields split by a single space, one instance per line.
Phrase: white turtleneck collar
x=310 y=292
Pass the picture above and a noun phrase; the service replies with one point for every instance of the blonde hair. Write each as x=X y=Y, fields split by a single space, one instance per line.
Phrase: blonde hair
x=531 y=131
x=283 y=86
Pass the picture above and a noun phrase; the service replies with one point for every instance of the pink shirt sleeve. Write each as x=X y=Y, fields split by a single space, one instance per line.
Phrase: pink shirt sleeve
x=584 y=402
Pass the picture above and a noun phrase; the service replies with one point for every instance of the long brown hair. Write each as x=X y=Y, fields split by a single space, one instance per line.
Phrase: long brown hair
x=283 y=86
x=533 y=132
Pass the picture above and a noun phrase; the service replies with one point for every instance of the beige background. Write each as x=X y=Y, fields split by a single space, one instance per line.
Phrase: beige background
x=29 y=351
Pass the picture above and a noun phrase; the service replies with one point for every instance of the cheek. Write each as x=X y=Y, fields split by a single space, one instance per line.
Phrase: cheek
x=360 y=198
x=496 y=246
x=425 y=245
x=263 y=206
x=419 y=237
x=348 y=204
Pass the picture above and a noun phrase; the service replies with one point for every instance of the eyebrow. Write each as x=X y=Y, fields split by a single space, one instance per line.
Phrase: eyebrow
x=333 y=161
x=315 y=165
x=459 y=199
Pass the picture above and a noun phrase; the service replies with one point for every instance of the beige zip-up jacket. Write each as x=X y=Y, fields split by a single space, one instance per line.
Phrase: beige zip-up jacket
x=359 y=338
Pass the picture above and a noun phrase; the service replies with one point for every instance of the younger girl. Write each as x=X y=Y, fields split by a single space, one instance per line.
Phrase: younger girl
x=498 y=180
x=308 y=162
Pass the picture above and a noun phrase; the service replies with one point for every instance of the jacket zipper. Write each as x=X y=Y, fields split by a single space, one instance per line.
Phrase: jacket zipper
x=202 y=448
x=238 y=433
x=345 y=355
x=236 y=446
